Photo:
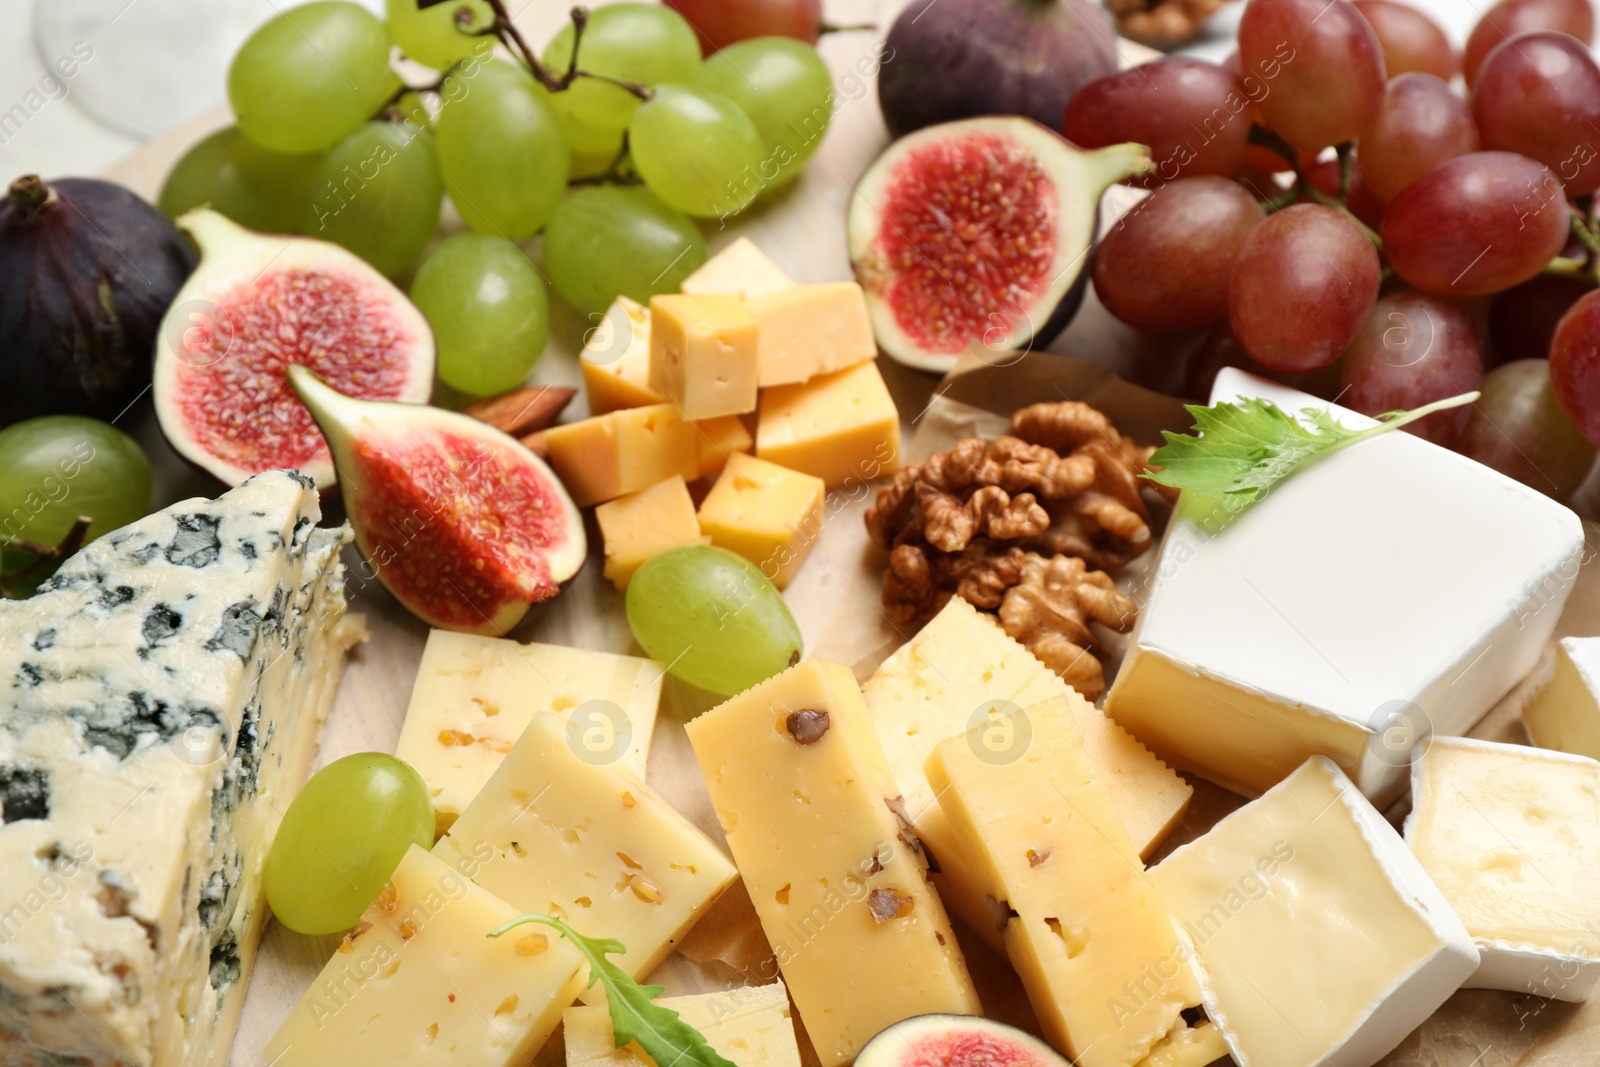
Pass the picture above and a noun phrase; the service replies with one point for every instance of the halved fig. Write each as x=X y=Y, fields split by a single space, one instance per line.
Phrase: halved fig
x=255 y=305
x=464 y=525
x=956 y=1041
x=973 y=236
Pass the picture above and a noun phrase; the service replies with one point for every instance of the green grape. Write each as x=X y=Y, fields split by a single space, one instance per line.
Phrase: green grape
x=57 y=468
x=643 y=43
x=714 y=617
x=378 y=194
x=697 y=150
x=342 y=838
x=619 y=240
x=440 y=36
x=412 y=108
x=786 y=89
x=488 y=311
x=310 y=76
x=257 y=188
x=583 y=139
x=505 y=162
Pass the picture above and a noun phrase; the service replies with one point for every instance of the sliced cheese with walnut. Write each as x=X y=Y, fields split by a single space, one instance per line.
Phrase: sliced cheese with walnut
x=749 y=1026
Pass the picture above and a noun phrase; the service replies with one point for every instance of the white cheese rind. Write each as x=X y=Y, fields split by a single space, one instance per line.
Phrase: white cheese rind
x=166 y=689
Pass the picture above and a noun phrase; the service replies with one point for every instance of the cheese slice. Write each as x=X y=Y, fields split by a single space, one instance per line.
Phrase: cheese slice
x=644 y=524
x=616 y=360
x=842 y=427
x=703 y=354
x=1319 y=938
x=807 y=330
x=588 y=842
x=474 y=696
x=1511 y=835
x=164 y=696
x=741 y=269
x=603 y=457
x=1332 y=617
x=419 y=981
x=770 y=515
x=1565 y=714
x=801 y=786
x=1104 y=968
x=749 y=1026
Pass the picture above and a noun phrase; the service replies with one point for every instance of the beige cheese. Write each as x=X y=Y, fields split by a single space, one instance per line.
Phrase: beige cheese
x=1565 y=714
x=749 y=1026
x=807 y=330
x=703 y=352
x=741 y=269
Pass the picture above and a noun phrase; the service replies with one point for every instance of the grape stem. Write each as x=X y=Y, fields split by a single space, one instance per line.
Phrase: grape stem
x=848 y=27
x=517 y=45
x=613 y=174
x=46 y=556
x=1303 y=186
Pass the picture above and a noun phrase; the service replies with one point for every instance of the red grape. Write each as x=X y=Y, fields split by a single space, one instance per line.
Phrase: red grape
x=1540 y=95
x=1165 y=265
x=1256 y=157
x=1415 y=348
x=1323 y=65
x=1478 y=224
x=723 y=22
x=1512 y=17
x=1575 y=364
x=1411 y=41
x=1301 y=288
x=1420 y=124
x=1518 y=428
x=1222 y=349
x=1362 y=204
x=1193 y=115
x=1522 y=320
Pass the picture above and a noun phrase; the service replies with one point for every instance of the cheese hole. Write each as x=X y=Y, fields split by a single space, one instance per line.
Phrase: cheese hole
x=1075 y=938
x=801 y=796
x=507 y=1006
x=431 y=1034
x=391 y=969
x=584 y=902
x=738 y=1042
x=782 y=895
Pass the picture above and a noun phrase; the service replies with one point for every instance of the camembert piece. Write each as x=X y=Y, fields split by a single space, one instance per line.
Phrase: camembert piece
x=842 y=427
x=616 y=360
x=749 y=1026
x=1096 y=951
x=644 y=524
x=807 y=330
x=1511 y=836
x=474 y=696
x=1332 y=617
x=1311 y=871
x=703 y=354
x=418 y=981
x=800 y=784
x=1565 y=714
x=719 y=439
x=770 y=515
x=603 y=457
x=568 y=833
x=741 y=269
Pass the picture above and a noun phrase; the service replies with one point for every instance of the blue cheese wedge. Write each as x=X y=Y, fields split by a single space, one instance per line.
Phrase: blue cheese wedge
x=162 y=699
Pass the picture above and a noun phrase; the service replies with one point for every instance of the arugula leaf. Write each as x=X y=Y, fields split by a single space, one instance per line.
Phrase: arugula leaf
x=660 y=1031
x=1244 y=449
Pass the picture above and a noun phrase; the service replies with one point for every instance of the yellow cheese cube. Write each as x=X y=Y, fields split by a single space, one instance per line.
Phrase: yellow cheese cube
x=616 y=360
x=603 y=457
x=741 y=269
x=418 y=982
x=749 y=1026
x=1034 y=818
x=719 y=439
x=800 y=784
x=643 y=524
x=842 y=427
x=569 y=833
x=703 y=352
x=807 y=330
x=766 y=513
x=474 y=696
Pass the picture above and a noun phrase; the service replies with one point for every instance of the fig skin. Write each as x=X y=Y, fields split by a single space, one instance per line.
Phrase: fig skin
x=956 y=59
x=87 y=269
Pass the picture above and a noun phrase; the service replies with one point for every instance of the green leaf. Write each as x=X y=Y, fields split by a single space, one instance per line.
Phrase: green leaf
x=660 y=1031
x=1243 y=449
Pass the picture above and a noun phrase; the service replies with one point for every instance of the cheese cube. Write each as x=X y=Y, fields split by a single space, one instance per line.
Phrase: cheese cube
x=1565 y=714
x=1320 y=940
x=719 y=439
x=1511 y=836
x=703 y=352
x=616 y=360
x=603 y=457
x=474 y=696
x=419 y=982
x=841 y=427
x=1333 y=617
x=565 y=833
x=769 y=515
x=647 y=523
x=807 y=330
x=800 y=784
x=1033 y=817
x=749 y=1026
x=741 y=269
